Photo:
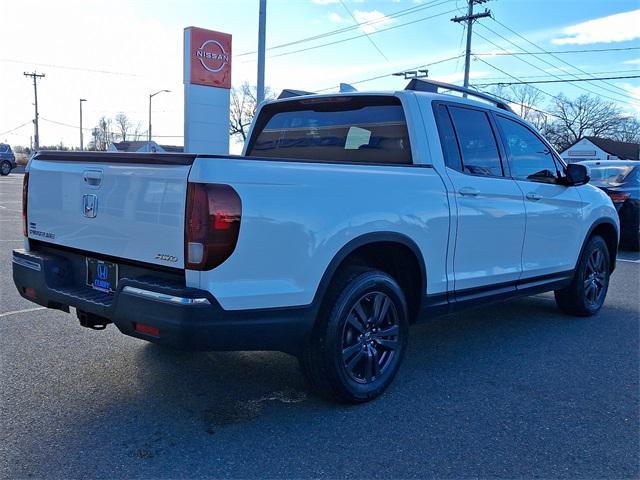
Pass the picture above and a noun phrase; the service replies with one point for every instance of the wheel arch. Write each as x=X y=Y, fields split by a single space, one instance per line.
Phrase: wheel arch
x=390 y=242
x=608 y=230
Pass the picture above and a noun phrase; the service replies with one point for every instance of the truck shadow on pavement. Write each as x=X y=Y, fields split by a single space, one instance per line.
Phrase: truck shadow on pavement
x=497 y=372
x=227 y=388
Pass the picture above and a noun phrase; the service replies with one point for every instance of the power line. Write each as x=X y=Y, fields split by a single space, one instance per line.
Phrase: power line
x=514 y=77
x=548 y=63
x=557 y=52
x=635 y=70
x=368 y=37
x=66 y=67
x=627 y=97
x=556 y=81
x=360 y=36
x=16 y=128
x=399 y=13
x=391 y=74
x=543 y=50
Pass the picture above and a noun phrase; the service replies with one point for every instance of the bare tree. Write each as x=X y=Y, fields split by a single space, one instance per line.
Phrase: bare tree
x=585 y=116
x=243 y=108
x=123 y=125
x=138 y=132
x=525 y=98
x=102 y=134
x=628 y=130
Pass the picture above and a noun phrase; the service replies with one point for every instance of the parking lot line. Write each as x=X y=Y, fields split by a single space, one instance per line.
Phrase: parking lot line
x=26 y=310
x=628 y=261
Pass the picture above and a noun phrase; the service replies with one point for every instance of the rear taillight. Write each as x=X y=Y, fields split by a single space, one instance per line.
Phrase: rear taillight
x=618 y=197
x=25 y=196
x=212 y=224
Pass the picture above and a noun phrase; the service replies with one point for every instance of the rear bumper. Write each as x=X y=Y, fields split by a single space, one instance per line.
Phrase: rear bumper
x=185 y=318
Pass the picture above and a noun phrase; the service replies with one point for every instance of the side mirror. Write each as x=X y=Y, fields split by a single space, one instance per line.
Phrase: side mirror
x=577 y=175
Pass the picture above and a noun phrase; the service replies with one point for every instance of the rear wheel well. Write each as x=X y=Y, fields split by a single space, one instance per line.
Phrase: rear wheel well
x=397 y=260
x=608 y=232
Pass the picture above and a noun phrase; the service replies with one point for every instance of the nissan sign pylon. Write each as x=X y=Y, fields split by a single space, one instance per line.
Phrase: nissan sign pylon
x=207 y=80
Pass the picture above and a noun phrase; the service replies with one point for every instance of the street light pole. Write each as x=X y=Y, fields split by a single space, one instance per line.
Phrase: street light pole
x=81 y=138
x=262 y=25
x=150 y=97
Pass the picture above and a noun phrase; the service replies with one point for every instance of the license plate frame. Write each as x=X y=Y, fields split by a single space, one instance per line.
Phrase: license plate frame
x=101 y=275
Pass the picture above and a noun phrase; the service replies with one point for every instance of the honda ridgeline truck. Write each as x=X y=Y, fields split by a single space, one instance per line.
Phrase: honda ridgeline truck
x=349 y=217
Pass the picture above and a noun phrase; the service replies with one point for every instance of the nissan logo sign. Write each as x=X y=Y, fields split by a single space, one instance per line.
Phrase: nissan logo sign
x=212 y=56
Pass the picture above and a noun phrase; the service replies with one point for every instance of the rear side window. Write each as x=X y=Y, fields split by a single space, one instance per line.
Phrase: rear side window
x=477 y=142
x=448 y=139
x=336 y=129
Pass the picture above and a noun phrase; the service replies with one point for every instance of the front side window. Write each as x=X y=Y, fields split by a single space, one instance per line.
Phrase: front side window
x=477 y=142
x=529 y=158
x=338 y=129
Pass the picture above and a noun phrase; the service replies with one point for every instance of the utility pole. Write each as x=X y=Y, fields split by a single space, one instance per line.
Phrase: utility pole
x=150 y=97
x=469 y=18
x=36 y=133
x=81 y=139
x=262 y=25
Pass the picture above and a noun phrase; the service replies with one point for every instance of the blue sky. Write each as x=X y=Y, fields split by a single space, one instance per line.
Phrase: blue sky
x=115 y=53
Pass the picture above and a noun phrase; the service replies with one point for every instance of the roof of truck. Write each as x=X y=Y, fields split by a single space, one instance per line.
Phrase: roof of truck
x=445 y=97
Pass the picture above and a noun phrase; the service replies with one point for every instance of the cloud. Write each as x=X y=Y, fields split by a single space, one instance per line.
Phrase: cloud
x=635 y=93
x=374 y=18
x=621 y=27
x=335 y=18
x=635 y=61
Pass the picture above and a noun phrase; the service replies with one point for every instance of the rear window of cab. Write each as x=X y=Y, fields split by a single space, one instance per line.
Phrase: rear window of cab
x=358 y=129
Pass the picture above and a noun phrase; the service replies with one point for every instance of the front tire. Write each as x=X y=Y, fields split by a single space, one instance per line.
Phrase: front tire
x=5 y=168
x=360 y=337
x=586 y=293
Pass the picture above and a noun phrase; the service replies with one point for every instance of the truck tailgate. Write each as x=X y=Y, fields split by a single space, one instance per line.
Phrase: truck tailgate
x=126 y=210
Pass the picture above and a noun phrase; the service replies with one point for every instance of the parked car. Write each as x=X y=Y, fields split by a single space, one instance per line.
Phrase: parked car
x=7 y=159
x=620 y=180
x=349 y=217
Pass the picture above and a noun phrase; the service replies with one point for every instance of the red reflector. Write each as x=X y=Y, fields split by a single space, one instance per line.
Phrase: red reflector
x=619 y=197
x=30 y=292
x=147 y=329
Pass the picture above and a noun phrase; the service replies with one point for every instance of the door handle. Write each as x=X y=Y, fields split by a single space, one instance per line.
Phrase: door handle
x=92 y=178
x=468 y=192
x=534 y=197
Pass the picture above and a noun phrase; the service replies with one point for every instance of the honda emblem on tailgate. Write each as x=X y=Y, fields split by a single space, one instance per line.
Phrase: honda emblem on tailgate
x=89 y=205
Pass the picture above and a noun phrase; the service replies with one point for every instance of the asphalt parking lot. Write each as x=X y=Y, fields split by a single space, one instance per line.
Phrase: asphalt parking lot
x=512 y=390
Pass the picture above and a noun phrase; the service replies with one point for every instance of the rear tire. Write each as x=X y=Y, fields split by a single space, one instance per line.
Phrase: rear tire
x=586 y=293
x=5 y=168
x=359 y=338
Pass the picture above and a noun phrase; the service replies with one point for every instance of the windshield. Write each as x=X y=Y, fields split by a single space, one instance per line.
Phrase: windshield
x=610 y=175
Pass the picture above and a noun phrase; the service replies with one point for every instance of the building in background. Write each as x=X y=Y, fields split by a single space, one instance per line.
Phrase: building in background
x=594 y=148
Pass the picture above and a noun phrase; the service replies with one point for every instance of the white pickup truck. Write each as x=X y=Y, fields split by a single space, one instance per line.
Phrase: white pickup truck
x=349 y=217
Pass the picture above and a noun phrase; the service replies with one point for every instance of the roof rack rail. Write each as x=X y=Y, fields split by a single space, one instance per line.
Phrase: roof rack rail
x=288 y=93
x=426 y=85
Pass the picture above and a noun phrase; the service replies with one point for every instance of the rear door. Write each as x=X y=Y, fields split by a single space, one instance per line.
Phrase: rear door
x=490 y=206
x=554 y=215
x=121 y=209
